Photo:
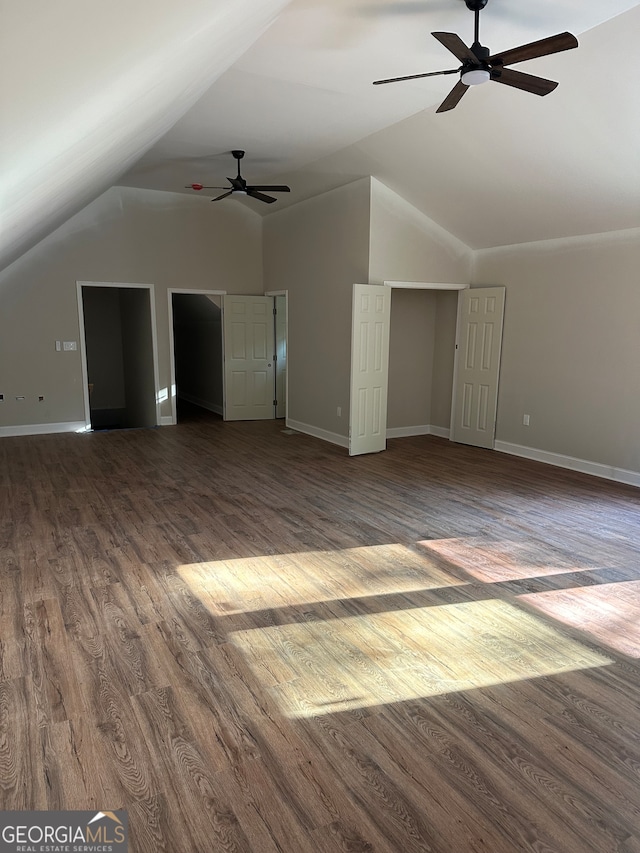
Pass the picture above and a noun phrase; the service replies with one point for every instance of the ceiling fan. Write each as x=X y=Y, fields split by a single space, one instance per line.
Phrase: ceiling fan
x=240 y=187
x=480 y=66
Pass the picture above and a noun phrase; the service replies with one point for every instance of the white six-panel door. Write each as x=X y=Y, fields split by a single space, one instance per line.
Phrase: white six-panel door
x=369 y=368
x=475 y=393
x=248 y=357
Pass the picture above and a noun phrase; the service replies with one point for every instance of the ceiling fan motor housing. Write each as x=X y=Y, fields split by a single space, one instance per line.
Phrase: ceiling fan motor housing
x=481 y=53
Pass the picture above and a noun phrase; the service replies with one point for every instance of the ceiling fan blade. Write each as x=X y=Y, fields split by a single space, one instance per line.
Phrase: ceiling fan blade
x=260 y=196
x=275 y=188
x=224 y=195
x=199 y=187
x=544 y=47
x=453 y=97
x=527 y=82
x=416 y=76
x=457 y=47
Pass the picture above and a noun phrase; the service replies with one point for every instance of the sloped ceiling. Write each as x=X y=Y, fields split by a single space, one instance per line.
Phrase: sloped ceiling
x=504 y=167
x=87 y=87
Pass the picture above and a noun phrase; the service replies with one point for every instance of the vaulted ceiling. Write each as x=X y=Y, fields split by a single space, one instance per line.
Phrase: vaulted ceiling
x=154 y=94
x=504 y=167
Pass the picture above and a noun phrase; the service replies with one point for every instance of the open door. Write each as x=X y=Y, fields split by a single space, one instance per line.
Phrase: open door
x=371 y=320
x=477 y=370
x=248 y=358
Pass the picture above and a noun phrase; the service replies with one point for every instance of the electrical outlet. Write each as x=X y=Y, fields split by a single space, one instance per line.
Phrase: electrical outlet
x=41 y=398
x=526 y=420
x=69 y=346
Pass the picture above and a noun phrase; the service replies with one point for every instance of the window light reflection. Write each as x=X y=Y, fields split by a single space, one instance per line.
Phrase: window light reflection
x=322 y=667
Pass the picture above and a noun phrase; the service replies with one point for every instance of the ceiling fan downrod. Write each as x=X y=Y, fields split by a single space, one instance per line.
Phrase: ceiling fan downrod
x=476 y=6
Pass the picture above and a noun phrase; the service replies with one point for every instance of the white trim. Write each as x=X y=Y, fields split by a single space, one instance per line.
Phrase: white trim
x=407 y=432
x=554 y=243
x=83 y=358
x=172 y=356
x=596 y=469
x=166 y=420
x=426 y=285
x=316 y=432
x=423 y=429
x=441 y=432
x=42 y=429
x=120 y=285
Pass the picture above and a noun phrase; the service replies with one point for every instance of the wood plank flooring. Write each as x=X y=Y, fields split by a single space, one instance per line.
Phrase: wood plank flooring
x=253 y=643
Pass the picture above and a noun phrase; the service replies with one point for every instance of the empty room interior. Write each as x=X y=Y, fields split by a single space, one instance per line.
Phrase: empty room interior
x=320 y=470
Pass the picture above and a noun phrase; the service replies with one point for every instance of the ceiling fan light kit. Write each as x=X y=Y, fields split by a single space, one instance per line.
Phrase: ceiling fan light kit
x=480 y=66
x=475 y=76
x=240 y=187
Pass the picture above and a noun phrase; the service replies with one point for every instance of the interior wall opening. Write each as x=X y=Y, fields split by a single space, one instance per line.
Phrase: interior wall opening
x=119 y=352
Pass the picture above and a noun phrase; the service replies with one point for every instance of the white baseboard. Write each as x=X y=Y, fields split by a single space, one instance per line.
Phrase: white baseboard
x=406 y=432
x=166 y=420
x=343 y=441
x=43 y=429
x=204 y=404
x=424 y=429
x=441 y=432
x=596 y=469
x=316 y=432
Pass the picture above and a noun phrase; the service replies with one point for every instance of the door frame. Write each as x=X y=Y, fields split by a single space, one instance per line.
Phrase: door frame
x=120 y=285
x=172 y=356
x=428 y=285
x=284 y=293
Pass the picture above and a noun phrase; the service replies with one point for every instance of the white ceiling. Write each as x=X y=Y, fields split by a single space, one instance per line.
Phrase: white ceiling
x=504 y=167
x=86 y=88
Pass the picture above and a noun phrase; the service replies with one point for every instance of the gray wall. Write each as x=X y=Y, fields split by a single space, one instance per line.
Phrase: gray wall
x=129 y=236
x=317 y=250
x=571 y=346
x=411 y=352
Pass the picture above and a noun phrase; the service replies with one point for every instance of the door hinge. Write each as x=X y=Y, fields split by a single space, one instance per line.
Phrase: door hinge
x=275 y=357
x=275 y=310
x=275 y=402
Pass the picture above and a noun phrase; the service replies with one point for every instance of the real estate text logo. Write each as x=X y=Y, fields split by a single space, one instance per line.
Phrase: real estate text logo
x=63 y=832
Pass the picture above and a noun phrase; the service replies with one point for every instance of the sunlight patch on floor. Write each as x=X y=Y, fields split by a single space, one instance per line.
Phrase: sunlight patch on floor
x=321 y=667
x=609 y=612
x=493 y=561
x=287 y=580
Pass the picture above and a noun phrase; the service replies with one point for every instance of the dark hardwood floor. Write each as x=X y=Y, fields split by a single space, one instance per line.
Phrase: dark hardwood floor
x=253 y=643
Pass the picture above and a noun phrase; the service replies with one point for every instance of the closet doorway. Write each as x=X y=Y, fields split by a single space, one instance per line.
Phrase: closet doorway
x=118 y=354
